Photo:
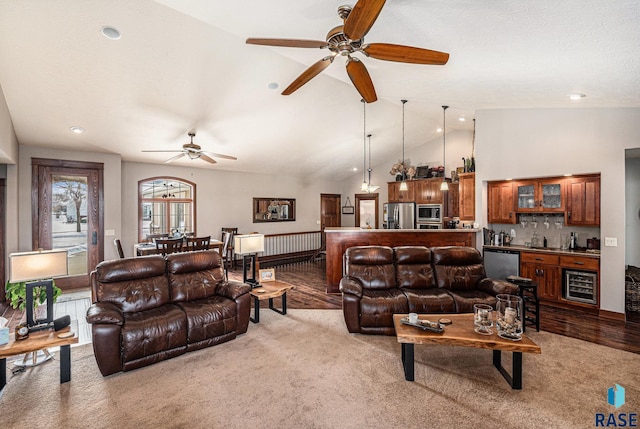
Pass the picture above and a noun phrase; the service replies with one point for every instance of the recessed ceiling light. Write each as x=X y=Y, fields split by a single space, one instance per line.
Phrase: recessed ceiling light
x=273 y=85
x=461 y=119
x=77 y=130
x=439 y=130
x=355 y=169
x=110 y=32
x=576 y=96
x=568 y=175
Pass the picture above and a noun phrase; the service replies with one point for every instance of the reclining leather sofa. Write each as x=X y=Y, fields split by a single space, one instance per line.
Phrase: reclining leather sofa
x=382 y=281
x=154 y=308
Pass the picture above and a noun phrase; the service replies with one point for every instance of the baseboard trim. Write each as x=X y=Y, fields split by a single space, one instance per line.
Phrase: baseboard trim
x=611 y=315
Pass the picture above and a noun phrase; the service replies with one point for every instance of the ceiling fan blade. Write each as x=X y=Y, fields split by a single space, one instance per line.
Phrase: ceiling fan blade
x=405 y=54
x=288 y=43
x=175 y=151
x=361 y=80
x=206 y=158
x=217 y=155
x=308 y=74
x=174 y=158
x=362 y=17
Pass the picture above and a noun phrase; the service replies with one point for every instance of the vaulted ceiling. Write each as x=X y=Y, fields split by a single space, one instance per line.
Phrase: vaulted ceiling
x=183 y=65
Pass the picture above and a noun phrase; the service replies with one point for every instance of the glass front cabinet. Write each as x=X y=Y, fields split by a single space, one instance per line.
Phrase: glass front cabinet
x=540 y=196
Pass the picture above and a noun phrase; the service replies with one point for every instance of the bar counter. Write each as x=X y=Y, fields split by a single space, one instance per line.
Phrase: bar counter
x=340 y=239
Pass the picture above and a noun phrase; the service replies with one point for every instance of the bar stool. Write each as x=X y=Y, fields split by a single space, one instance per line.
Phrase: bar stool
x=528 y=291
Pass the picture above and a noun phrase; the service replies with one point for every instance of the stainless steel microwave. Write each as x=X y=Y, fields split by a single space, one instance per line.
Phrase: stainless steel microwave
x=429 y=213
x=428 y=226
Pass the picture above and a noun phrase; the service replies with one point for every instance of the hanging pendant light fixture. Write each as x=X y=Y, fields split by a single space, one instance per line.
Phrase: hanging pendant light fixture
x=444 y=186
x=370 y=188
x=364 y=187
x=403 y=185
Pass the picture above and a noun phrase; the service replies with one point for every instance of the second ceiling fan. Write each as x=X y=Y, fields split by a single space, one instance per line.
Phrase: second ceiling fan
x=348 y=39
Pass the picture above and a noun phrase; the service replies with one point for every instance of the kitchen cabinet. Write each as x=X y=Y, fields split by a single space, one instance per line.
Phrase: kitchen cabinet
x=428 y=191
x=451 y=201
x=500 y=202
x=541 y=195
x=583 y=201
x=398 y=196
x=543 y=269
x=467 y=196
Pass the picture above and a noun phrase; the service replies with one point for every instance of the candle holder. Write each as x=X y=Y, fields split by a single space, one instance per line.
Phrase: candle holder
x=509 y=317
x=483 y=319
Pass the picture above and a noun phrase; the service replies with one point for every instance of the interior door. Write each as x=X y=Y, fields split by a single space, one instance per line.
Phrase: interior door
x=329 y=213
x=67 y=211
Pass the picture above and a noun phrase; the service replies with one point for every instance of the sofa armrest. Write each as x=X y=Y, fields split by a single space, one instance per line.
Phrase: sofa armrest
x=495 y=287
x=232 y=289
x=351 y=286
x=105 y=312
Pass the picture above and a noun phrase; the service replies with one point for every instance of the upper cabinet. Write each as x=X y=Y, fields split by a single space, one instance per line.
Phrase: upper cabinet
x=500 y=202
x=398 y=196
x=428 y=191
x=467 y=199
x=545 y=195
x=583 y=201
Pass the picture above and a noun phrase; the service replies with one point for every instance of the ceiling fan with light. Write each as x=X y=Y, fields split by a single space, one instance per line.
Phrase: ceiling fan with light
x=194 y=151
x=348 y=39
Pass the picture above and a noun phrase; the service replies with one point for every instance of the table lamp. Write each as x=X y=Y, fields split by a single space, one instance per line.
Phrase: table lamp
x=37 y=270
x=248 y=245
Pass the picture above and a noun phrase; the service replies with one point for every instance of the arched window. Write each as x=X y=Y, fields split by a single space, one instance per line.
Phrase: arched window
x=166 y=205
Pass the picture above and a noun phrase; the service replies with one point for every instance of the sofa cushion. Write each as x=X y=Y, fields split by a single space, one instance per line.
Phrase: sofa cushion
x=457 y=268
x=429 y=301
x=194 y=275
x=465 y=299
x=413 y=267
x=153 y=331
x=372 y=266
x=377 y=307
x=132 y=284
x=209 y=318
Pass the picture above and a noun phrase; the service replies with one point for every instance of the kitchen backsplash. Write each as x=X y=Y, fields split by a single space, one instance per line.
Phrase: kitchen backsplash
x=552 y=227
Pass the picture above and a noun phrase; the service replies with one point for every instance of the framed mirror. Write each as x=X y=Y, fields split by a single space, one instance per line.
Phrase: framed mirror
x=274 y=210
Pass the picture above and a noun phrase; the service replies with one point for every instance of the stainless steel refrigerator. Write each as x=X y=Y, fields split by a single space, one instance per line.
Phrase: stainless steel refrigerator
x=399 y=215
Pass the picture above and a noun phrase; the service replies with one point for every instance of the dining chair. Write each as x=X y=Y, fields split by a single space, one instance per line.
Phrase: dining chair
x=151 y=237
x=170 y=245
x=198 y=243
x=226 y=242
x=118 y=245
x=229 y=252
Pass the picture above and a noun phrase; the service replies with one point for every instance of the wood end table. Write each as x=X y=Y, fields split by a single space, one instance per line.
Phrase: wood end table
x=269 y=290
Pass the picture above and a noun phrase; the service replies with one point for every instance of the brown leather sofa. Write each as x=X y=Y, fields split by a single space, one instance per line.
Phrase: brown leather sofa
x=382 y=281
x=154 y=308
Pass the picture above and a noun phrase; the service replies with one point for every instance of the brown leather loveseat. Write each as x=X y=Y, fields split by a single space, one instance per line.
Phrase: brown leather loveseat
x=154 y=308
x=382 y=281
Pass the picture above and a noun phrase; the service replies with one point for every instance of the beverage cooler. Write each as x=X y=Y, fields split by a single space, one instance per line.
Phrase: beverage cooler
x=580 y=286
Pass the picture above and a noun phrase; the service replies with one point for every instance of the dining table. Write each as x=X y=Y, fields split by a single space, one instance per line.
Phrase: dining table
x=144 y=249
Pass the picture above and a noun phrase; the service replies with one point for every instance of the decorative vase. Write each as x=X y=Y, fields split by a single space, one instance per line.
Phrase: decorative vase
x=509 y=317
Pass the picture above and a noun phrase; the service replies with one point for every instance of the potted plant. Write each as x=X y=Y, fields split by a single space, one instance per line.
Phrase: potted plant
x=17 y=295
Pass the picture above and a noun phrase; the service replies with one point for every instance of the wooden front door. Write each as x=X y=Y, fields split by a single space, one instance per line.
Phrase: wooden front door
x=329 y=213
x=67 y=212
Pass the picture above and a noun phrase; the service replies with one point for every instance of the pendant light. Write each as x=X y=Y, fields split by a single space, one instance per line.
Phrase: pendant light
x=444 y=186
x=403 y=185
x=364 y=187
x=370 y=188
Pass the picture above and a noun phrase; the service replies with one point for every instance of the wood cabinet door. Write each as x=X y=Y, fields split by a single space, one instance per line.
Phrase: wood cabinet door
x=546 y=276
x=551 y=196
x=467 y=201
x=500 y=202
x=583 y=201
x=393 y=190
x=451 y=205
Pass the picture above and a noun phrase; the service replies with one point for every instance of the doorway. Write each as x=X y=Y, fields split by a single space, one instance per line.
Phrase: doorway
x=329 y=213
x=67 y=212
x=367 y=211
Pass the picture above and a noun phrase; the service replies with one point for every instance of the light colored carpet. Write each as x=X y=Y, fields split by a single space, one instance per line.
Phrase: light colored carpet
x=304 y=370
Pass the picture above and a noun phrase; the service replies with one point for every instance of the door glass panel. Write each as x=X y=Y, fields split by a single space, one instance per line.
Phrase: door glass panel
x=367 y=214
x=551 y=197
x=69 y=220
x=526 y=197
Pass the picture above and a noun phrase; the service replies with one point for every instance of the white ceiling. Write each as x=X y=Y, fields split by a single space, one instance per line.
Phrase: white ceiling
x=183 y=65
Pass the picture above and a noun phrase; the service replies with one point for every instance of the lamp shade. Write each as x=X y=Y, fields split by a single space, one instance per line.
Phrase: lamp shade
x=248 y=243
x=39 y=265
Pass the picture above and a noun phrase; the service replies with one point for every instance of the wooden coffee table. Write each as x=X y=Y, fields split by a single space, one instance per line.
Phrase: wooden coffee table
x=461 y=333
x=38 y=341
x=269 y=290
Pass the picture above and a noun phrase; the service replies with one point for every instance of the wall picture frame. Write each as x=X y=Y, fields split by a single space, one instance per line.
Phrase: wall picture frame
x=267 y=275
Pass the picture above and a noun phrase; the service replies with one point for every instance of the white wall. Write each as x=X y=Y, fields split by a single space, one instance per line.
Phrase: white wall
x=225 y=199
x=550 y=142
x=8 y=140
x=632 y=197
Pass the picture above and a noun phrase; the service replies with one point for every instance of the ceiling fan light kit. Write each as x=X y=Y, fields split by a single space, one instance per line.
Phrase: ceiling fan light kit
x=348 y=39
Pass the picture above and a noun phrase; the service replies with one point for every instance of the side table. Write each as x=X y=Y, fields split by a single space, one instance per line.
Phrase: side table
x=528 y=291
x=269 y=290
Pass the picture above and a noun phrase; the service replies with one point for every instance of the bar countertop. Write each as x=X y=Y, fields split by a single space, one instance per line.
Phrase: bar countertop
x=369 y=230
x=555 y=250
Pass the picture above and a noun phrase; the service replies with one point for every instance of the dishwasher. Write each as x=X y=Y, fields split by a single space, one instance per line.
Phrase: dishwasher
x=501 y=263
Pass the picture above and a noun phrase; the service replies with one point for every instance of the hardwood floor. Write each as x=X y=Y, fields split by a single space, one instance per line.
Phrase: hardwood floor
x=309 y=280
